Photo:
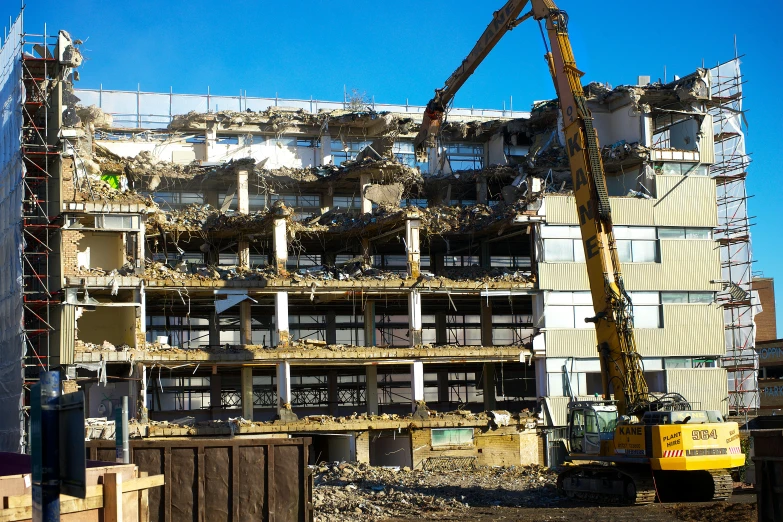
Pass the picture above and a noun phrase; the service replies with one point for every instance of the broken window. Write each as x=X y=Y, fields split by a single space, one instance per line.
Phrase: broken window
x=178 y=199
x=404 y=153
x=343 y=151
x=460 y=260
x=349 y=202
x=452 y=436
x=671 y=168
x=465 y=156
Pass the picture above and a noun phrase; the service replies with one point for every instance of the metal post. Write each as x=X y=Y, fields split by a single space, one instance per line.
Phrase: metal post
x=46 y=448
x=121 y=433
x=138 y=105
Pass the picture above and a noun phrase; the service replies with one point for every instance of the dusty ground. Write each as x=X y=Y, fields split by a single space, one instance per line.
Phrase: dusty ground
x=358 y=492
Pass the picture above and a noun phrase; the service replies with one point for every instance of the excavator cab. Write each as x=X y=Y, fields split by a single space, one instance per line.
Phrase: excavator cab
x=589 y=423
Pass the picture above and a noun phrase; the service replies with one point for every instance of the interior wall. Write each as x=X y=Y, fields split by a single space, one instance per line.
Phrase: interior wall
x=116 y=324
x=107 y=250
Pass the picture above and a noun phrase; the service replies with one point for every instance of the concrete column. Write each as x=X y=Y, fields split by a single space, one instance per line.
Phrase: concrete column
x=366 y=254
x=363 y=447
x=245 y=323
x=437 y=264
x=414 y=317
x=482 y=190
x=211 y=198
x=214 y=329
x=284 y=397
x=243 y=200
x=496 y=153
x=215 y=393
x=210 y=136
x=243 y=207
x=412 y=246
x=333 y=393
x=441 y=331
x=143 y=414
x=489 y=387
x=281 y=318
x=417 y=384
x=443 y=387
x=485 y=259
x=371 y=389
x=280 y=242
x=329 y=258
x=327 y=199
x=486 y=322
x=331 y=327
x=364 y=181
x=369 y=323
x=326 y=149
x=247 y=392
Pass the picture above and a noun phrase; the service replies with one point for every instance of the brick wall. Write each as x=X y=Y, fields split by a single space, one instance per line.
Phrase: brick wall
x=69 y=250
x=505 y=446
x=766 y=325
x=363 y=446
x=69 y=192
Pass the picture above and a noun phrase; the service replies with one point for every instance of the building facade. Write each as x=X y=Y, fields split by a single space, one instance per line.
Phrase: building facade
x=279 y=267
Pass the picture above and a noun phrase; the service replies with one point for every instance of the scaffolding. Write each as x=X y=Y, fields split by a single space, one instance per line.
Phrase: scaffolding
x=40 y=154
x=733 y=235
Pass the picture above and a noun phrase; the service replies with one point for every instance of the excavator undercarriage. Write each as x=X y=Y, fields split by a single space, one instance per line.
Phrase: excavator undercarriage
x=637 y=484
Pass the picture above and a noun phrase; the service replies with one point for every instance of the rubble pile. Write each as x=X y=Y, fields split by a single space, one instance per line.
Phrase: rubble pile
x=360 y=492
x=190 y=218
x=106 y=346
x=495 y=274
x=352 y=271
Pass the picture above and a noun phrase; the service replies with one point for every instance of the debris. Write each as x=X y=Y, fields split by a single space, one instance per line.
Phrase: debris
x=344 y=490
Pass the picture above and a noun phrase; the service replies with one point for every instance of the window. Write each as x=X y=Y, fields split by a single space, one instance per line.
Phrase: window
x=117 y=222
x=178 y=199
x=568 y=310
x=510 y=261
x=404 y=153
x=465 y=156
x=681 y=169
x=636 y=244
x=562 y=244
x=452 y=437
x=646 y=309
x=687 y=297
x=343 y=151
x=312 y=143
x=421 y=203
x=684 y=233
x=347 y=202
x=300 y=200
x=460 y=260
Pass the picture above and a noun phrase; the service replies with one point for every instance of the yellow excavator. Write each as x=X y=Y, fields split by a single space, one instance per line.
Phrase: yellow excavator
x=632 y=446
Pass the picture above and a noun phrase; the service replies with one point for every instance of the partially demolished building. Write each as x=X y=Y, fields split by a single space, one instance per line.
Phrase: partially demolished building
x=247 y=265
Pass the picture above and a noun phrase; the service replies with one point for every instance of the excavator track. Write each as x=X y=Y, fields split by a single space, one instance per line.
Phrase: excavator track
x=608 y=484
x=723 y=484
x=694 y=486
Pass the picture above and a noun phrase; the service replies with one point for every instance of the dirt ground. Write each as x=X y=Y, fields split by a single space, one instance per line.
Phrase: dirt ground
x=712 y=512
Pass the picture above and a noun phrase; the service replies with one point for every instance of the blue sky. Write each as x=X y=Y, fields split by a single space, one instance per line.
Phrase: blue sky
x=398 y=51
